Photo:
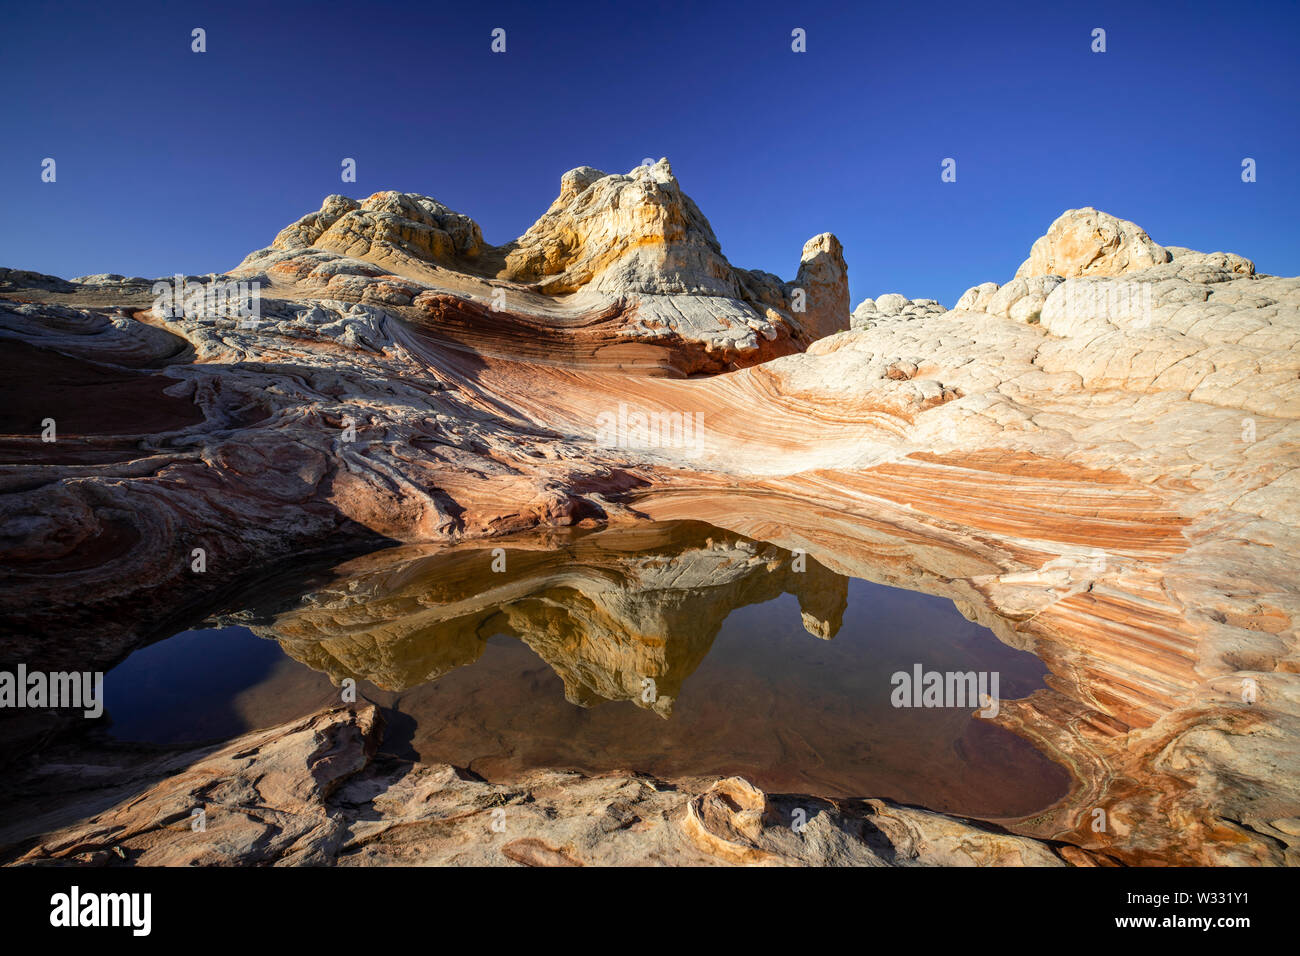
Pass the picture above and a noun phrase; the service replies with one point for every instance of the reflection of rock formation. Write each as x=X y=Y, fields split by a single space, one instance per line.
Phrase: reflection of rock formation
x=609 y=611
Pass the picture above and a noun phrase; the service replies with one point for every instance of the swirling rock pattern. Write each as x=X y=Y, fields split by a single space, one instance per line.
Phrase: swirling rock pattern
x=633 y=247
x=313 y=792
x=1100 y=463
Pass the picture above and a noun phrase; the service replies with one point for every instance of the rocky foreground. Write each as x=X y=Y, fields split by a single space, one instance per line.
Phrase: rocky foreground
x=1096 y=459
x=313 y=792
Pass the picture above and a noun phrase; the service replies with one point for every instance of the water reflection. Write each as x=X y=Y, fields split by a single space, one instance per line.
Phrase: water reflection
x=618 y=614
x=688 y=650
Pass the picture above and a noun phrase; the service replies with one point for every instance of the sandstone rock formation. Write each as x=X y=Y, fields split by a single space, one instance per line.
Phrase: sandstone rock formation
x=890 y=305
x=1086 y=242
x=1020 y=300
x=1112 y=487
x=618 y=263
x=317 y=792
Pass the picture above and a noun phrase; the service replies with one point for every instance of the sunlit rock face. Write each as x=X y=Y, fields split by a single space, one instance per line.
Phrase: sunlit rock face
x=387 y=224
x=892 y=305
x=635 y=233
x=624 y=263
x=1089 y=242
x=609 y=611
x=1100 y=463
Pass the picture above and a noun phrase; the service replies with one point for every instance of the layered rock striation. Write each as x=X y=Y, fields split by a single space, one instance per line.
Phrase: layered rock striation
x=1098 y=459
x=319 y=791
x=624 y=266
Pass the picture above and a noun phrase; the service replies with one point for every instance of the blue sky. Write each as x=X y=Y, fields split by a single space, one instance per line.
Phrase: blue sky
x=171 y=161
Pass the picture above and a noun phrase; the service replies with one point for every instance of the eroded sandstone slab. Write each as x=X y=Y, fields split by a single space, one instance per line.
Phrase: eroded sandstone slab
x=316 y=792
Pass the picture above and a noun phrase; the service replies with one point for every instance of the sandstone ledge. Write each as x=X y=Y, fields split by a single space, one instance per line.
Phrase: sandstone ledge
x=316 y=792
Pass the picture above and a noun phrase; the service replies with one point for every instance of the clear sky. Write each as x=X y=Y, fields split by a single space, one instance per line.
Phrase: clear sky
x=169 y=160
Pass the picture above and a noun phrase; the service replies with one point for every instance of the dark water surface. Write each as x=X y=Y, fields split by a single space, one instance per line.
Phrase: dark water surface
x=491 y=671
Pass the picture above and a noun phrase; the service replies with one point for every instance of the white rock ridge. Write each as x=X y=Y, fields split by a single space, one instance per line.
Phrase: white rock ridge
x=633 y=247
